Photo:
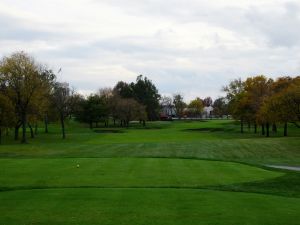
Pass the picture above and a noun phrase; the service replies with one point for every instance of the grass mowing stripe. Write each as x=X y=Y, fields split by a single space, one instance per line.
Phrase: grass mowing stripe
x=172 y=140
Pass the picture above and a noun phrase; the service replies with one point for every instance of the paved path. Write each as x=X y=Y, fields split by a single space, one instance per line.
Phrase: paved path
x=294 y=168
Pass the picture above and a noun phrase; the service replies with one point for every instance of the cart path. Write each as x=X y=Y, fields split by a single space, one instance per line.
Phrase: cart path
x=294 y=168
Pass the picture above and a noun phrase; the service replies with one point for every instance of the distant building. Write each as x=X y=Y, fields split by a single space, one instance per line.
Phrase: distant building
x=167 y=112
x=207 y=111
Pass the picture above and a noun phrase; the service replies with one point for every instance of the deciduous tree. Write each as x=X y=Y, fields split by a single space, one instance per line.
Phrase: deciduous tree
x=195 y=107
x=24 y=81
x=179 y=105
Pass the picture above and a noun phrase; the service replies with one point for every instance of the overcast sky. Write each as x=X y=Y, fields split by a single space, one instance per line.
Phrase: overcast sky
x=189 y=46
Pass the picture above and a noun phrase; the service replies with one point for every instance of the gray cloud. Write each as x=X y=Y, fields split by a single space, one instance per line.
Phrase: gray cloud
x=280 y=28
x=193 y=47
x=13 y=28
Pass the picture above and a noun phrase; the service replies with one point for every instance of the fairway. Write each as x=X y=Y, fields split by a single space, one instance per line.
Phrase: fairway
x=125 y=172
x=167 y=173
x=219 y=140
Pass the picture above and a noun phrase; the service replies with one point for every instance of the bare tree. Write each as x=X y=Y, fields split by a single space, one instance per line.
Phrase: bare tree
x=62 y=100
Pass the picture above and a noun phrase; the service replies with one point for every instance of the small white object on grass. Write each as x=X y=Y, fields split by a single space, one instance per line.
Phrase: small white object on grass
x=77 y=165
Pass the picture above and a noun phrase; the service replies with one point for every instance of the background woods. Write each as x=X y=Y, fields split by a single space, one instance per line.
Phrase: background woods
x=30 y=94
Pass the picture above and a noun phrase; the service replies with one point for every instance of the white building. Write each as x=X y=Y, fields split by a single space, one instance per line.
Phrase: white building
x=207 y=111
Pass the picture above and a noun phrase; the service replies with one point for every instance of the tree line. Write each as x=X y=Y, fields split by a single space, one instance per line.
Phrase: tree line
x=125 y=102
x=30 y=93
x=261 y=101
x=257 y=101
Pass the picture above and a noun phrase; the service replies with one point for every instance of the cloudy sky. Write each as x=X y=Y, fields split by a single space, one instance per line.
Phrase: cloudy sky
x=193 y=47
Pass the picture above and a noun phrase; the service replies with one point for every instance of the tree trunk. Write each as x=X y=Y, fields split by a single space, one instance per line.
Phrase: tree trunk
x=31 y=131
x=46 y=123
x=36 y=129
x=263 y=129
x=255 y=128
x=242 y=125
x=17 y=132
x=285 y=129
x=144 y=123
x=249 y=125
x=91 y=125
x=62 y=121
x=24 y=123
x=268 y=129
x=114 y=122
x=274 y=128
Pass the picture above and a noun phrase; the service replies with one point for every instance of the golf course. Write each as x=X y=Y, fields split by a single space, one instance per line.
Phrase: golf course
x=168 y=172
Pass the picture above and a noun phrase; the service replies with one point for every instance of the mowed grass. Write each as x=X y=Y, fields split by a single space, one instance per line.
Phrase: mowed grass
x=125 y=172
x=218 y=140
x=145 y=207
x=153 y=175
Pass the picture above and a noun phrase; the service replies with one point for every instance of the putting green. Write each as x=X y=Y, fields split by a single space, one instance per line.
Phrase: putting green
x=125 y=172
x=87 y=206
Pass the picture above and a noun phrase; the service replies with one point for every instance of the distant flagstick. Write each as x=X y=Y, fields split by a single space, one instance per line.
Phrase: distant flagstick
x=59 y=70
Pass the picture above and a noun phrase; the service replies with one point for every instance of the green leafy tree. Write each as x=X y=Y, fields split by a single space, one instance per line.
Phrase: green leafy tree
x=92 y=110
x=195 y=107
x=24 y=81
x=143 y=91
x=146 y=93
x=220 y=107
x=124 y=89
x=179 y=105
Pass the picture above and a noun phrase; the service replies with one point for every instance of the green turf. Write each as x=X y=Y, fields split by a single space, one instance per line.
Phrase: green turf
x=151 y=175
x=125 y=172
x=164 y=139
x=145 y=207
